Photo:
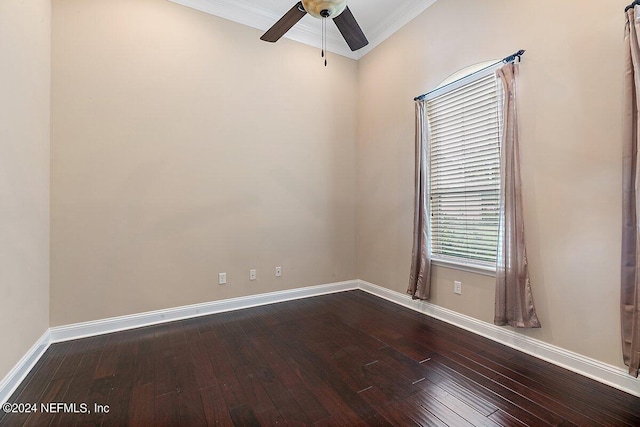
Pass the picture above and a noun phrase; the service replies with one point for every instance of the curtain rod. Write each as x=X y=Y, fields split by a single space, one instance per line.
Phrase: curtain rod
x=508 y=59
x=632 y=5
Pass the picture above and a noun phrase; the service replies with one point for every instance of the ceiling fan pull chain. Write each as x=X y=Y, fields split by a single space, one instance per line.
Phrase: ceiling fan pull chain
x=324 y=41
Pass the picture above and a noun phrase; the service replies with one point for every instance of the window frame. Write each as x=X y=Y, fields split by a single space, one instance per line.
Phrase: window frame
x=454 y=82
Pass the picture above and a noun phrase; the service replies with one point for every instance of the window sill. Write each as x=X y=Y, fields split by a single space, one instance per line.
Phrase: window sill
x=478 y=269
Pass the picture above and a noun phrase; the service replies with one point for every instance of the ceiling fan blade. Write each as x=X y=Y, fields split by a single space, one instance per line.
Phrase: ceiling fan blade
x=284 y=24
x=350 y=30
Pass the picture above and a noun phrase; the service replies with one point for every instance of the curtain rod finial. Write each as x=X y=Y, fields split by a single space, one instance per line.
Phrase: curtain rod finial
x=632 y=5
x=517 y=55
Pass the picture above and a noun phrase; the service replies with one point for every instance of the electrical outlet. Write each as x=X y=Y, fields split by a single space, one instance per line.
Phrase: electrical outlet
x=222 y=278
x=457 y=287
x=278 y=271
x=252 y=274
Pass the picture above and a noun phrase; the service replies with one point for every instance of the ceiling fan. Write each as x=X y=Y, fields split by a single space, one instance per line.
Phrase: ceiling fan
x=335 y=9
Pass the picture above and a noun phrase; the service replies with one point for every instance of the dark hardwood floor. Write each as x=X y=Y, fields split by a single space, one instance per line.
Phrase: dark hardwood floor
x=342 y=359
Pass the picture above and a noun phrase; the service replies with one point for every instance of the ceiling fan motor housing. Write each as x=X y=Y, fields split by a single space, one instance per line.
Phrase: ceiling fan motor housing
x=324 y=8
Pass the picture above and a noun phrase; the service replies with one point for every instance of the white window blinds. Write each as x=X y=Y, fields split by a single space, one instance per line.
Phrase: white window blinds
x=465 y=172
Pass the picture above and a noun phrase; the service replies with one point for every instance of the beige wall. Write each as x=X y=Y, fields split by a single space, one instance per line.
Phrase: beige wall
x=571 y=113
x=25 y=48
x=183 y=146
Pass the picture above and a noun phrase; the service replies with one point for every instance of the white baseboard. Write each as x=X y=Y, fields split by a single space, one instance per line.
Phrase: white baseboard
x=13 y=379
x=604 y=373
x=115 y=324
x=591 y=368
x=99 y=327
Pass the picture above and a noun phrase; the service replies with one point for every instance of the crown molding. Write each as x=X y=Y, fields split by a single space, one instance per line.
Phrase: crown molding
x=305 y=32
x=262 y=19
x=393 y=22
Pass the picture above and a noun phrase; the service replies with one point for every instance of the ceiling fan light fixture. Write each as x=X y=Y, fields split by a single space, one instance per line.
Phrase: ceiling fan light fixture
x=324 y=8
x=337 y=10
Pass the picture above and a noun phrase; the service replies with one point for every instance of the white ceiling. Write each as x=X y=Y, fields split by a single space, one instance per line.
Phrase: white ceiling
x=379 y=19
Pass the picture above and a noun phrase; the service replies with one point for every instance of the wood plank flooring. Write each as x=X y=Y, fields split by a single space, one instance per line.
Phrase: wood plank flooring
x=347 y=359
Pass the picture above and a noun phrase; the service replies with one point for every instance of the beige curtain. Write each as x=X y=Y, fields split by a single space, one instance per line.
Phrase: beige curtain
x=514 y=300
x=629 y=295
x=420 y=276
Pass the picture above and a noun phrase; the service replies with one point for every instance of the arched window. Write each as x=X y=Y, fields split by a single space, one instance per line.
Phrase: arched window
x=464 y=117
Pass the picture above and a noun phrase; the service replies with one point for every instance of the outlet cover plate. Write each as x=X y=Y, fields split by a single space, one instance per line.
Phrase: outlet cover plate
x=457 y=287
